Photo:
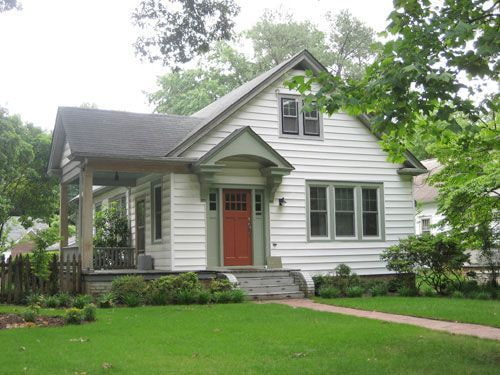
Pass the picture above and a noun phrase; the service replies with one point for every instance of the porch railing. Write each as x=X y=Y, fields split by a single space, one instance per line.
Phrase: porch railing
x=114 y=258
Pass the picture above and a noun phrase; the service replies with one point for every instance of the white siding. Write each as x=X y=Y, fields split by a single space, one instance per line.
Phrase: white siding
x=349 y=152
x=189 y=226
x=428 y=211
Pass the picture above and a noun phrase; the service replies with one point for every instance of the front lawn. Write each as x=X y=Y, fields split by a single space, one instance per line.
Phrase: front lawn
x=243 y=338
x=452 y=309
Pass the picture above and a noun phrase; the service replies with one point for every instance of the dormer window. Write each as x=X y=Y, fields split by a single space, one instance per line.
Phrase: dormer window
x=296 y=123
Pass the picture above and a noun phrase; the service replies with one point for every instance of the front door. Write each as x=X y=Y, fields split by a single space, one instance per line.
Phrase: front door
x=237 y=227
x=140 y=225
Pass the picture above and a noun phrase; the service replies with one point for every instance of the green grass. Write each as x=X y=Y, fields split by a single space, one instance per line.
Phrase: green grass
x=452 y=309
x=240 y=338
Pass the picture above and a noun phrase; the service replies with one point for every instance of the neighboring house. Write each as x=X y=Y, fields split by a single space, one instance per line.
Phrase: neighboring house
x=19 y=237
x=248 y=181
x=427 y=217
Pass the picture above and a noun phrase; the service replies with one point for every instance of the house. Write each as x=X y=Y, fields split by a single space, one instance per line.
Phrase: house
x=427 y=218
x=247 y=182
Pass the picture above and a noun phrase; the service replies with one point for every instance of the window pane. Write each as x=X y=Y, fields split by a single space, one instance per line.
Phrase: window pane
x=319 y=224
x=290 y=125
x=318 y=198
x=289 y=107
x=370 y=224
x=311 y=127
x=212 y=204
x=344 y=223
x=157 y=212
x=370 y=200
x=344 y=199
x=258 y=204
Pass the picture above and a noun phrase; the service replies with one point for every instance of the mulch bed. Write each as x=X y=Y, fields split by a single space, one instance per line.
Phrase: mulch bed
x=8 y=321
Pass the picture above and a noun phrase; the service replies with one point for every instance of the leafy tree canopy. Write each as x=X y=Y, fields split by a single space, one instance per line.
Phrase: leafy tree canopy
x=6 y=5
x=25 y=188
x=274 y=38
x=175 y=31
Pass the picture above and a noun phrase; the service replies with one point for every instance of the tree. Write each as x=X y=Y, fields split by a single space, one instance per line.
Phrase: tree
x=185 y=92
x=428 y=81
x=25 y=188
x=351 y=44
x=175 y=31
x=6 y=5
x=275 y=38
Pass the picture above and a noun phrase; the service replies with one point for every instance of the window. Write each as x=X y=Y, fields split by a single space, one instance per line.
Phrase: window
x=212 y=202
x=157 y=205
x=318 y=206
x=258 y=204
x=311 y=123
x=344 y=212
x=370 y=212
x=425 y=225
x=294 y=122
x=289 y=116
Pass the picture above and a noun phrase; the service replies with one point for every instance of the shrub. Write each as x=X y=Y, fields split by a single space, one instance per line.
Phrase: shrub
x=204 y=297
x=106 y=300
x=111 y=227
x=64 y=300
x=342 y=279
x=73 y=316
x=436 y=259
x=329 y=292
x=378 y=289
x=51 y=302
x=237 y=295
x=129 y=288
x=30 y=314
x=483 y=295
x=428 y=292
x=34 y=299
x=354 y=291
x=89 y=312
x=406 y=291
x=133 y=300
x=457 y=294
x=186 y=281
x=220 y=285
x=81 y=300
x=186 y=296
x=222 y=297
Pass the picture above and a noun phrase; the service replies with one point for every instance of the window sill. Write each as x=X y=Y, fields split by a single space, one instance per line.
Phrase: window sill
x=299 y=136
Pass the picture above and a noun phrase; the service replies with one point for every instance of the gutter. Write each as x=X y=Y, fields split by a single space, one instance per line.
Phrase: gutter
x=411 y=171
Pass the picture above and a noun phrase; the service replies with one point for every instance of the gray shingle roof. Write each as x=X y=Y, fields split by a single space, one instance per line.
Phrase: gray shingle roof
x=422 y=191
x=123 y=134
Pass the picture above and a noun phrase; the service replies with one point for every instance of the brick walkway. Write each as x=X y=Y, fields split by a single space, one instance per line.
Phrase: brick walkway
x=477 y=330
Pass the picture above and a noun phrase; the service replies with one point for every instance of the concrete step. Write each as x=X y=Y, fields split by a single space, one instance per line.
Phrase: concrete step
x=270 y=289
x=252 y=281
x=267 y=296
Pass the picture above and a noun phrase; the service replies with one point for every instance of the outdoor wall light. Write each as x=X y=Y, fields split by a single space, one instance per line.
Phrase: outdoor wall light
x=282 y=201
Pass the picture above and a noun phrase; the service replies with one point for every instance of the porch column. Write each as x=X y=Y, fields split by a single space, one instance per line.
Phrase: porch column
x=63 y=215
x=86 y=220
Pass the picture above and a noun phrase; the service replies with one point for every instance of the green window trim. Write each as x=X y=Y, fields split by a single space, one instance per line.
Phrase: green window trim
x=358 y=211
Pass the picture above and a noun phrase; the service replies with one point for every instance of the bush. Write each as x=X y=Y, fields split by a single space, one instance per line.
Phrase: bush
x=342 y=279
x=483 y=295
x=89 y=312
x=329 y=292
x=220 y=285
x=406 y=291
x=428 y=292
x=186 y=296
x=222 y=297
x=34 y=299
x=106 y=300
x=129 y=288
x=133 y=300
x=436 y=259
x=73 y=316
x=378 y=289
x=51 y=302
x=204 y=297
x=111 y=227
x=237 y=295
x=81 y=300
x=64 y=300
x=354 y=291
x=31 y=314
x=457 y=294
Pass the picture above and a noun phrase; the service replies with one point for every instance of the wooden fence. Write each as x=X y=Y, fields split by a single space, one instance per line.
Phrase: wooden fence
x=18 y=278
x=114 y=258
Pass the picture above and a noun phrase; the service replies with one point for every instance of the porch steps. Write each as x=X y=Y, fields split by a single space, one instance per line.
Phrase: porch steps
x=268 y=284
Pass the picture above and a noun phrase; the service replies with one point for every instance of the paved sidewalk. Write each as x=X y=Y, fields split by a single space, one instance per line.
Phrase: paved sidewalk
x=477 y=330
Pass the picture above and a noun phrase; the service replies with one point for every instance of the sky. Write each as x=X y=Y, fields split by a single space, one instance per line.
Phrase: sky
x=68 y=52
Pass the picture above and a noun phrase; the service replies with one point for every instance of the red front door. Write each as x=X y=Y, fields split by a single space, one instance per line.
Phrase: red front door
x=237 y=227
